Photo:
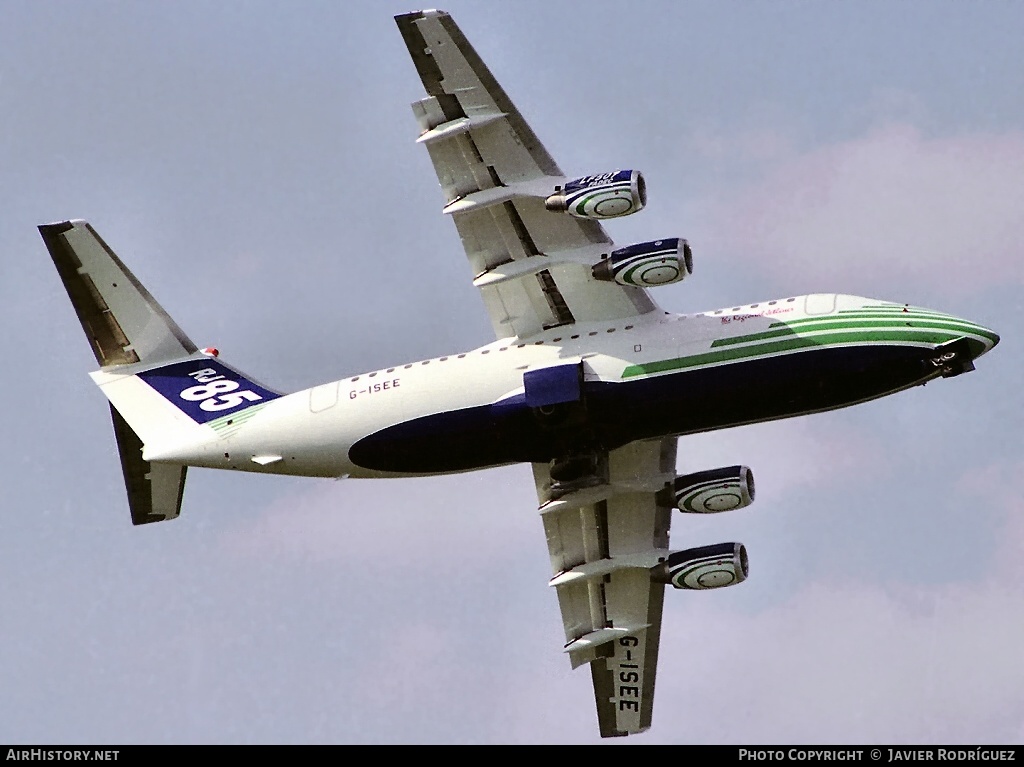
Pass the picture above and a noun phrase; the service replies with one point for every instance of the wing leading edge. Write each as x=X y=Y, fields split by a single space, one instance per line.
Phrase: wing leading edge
x=533 y=267
x=603 y=542
x=534 y=271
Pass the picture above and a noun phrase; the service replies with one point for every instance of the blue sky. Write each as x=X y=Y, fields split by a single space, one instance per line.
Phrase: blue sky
x=254 y=165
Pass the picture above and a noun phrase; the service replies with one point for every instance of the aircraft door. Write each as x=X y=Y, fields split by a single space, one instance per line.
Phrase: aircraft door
x=323 y=397
x=819 y=303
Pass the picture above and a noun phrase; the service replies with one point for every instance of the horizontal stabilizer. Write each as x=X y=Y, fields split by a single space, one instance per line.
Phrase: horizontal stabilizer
x=154 y=489
x=125 y=326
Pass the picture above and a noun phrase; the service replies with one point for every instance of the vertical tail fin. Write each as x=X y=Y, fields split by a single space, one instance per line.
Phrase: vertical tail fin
x=125 y=327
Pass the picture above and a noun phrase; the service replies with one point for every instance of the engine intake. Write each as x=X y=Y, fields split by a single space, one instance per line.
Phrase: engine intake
x=605 y=195
x=706 y=567
x=709 y=492
x=648 y=264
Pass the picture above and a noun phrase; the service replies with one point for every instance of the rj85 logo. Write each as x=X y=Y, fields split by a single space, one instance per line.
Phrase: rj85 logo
x=216 y=392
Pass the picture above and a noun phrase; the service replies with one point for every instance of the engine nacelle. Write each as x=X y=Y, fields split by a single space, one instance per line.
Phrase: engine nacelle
x=648 y=264
x=706 y=567
x=605 y=195
x=708 y=492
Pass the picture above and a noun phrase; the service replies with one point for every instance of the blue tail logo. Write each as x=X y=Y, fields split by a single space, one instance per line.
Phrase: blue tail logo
x=206 y=389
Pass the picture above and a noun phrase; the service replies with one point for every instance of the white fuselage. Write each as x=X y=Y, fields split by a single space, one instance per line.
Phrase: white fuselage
x=445 y=403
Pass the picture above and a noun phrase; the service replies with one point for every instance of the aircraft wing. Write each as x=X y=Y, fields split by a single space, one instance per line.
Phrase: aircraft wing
x=533 y=267
x=603 y=542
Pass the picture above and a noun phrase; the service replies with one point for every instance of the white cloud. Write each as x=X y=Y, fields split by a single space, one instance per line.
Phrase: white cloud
x=891 y=205
x=860 y=662
x=830 y=661
x=999 y=485
x=436 y=522
x=849 y=663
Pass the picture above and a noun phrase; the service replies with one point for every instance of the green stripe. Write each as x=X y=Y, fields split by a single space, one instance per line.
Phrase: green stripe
x=866 y=312
x=837 y=323
x=628 y=274
x=235 y=419
x=854 y=315
x=788 y=345
x=946 y=321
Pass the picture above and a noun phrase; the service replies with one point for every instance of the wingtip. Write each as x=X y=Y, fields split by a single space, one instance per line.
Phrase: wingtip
x=426 y=13
x=62 y=226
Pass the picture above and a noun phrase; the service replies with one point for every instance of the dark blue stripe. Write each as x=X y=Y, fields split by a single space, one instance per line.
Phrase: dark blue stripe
x=614 y=414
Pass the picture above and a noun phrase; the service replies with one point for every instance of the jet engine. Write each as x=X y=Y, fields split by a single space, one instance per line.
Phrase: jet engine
x=648 y=264
x=706 y=567
x=605 y=195
x=708 y=492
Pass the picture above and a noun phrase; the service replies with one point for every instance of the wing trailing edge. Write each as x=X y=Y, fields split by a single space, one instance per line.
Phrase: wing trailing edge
x=603 y=541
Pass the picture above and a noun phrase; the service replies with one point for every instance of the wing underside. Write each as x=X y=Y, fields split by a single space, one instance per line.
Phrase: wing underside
x=534 y=271
x=603 y=542
x=533 y=267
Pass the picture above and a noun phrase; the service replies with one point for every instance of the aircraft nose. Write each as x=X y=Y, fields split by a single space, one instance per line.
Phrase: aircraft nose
x=982 y=339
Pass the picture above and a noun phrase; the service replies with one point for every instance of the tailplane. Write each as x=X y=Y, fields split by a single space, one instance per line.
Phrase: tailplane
x=162 y=389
